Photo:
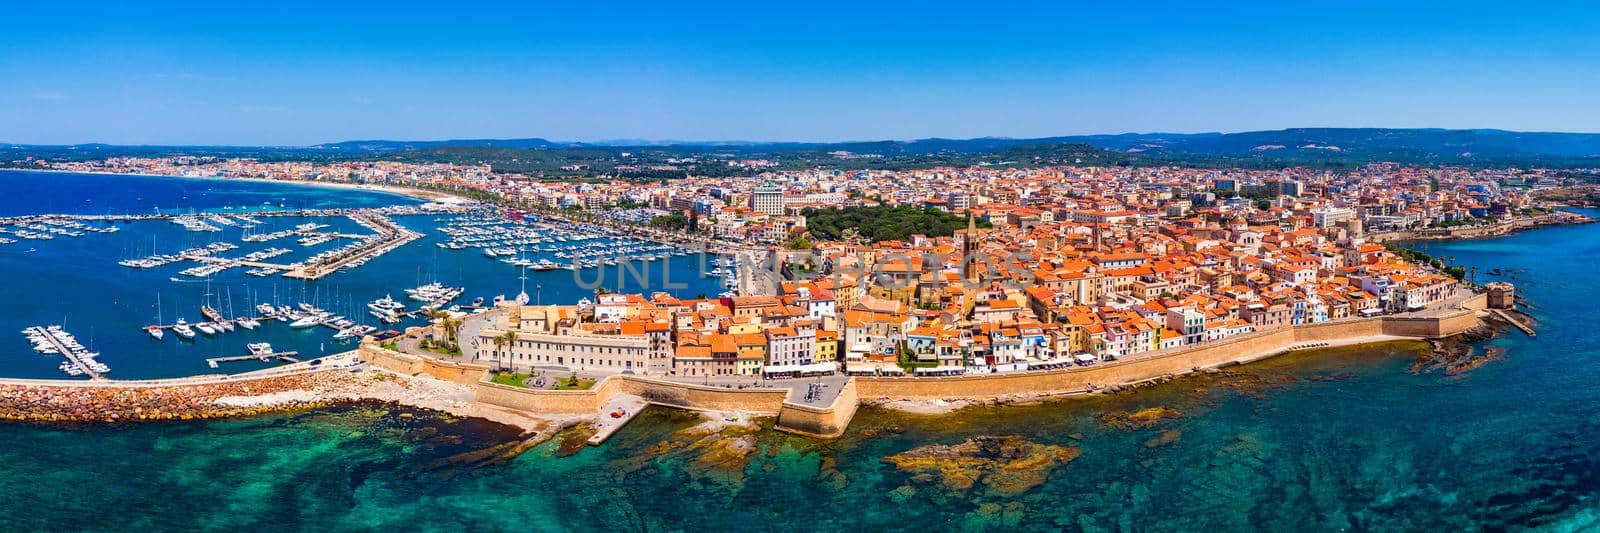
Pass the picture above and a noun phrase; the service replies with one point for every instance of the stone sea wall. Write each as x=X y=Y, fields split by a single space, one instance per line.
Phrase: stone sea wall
x=412 y=365
x=832 y=420
x=689 y=396
x=1242 y=349
x=821 y=422
x=565 y=402
x=666 y=393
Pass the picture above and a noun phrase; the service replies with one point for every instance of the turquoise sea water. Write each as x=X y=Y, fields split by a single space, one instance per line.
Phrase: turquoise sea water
x=76 y=282
x=1333 y=440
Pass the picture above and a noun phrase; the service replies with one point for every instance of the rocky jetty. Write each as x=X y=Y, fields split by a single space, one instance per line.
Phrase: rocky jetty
x=70 y=401
x=79 y=403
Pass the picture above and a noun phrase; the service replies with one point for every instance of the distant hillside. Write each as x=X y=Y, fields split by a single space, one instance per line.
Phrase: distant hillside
x=1312 y=147
x=1289 y=146
x=1456 y=146
x=395 y=146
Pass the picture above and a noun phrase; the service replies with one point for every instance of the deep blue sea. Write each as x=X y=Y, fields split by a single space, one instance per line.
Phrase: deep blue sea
x=1350 y=439
x=76 y=281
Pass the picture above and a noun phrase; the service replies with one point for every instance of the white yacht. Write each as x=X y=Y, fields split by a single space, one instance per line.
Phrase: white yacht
x=309 y=320
x=183 y=330
x=387 y=304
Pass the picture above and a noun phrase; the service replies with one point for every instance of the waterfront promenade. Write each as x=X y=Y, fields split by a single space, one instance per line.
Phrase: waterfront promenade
x=1481 y=231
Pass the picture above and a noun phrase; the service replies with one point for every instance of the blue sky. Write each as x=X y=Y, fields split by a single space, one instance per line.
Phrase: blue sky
x=288 y=73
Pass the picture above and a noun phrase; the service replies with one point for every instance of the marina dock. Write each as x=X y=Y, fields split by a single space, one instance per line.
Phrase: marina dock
x=78 y=358
x=390 y=236
x=284 y=357
x=387 y=236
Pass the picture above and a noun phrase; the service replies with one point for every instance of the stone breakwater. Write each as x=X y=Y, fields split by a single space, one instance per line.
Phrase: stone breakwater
x=73 y=402
x=78 y=401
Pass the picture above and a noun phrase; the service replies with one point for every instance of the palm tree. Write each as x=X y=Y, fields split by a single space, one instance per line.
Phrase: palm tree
x=446 y=321
x=505 y=339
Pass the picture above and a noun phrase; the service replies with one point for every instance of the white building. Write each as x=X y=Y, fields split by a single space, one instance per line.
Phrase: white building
x=767 y=199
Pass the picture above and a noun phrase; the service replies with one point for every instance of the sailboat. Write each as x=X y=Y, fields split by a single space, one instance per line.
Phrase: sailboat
x=246 y=322
x=233 y=318
x=155 y=330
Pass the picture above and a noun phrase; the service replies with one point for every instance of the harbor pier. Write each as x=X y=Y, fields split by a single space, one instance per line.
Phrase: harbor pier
x=286 y=357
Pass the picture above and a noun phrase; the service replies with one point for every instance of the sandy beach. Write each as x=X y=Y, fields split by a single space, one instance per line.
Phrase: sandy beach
x=419 y=194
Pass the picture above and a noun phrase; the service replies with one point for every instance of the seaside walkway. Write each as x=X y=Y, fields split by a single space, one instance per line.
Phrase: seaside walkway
x=1514 y=322
x=626 y=406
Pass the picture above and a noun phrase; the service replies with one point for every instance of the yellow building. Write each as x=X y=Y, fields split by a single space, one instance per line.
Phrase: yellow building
x=752 y=353
x=827 y=346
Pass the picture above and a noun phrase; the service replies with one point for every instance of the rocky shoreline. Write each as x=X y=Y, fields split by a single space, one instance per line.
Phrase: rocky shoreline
x=1458 y=354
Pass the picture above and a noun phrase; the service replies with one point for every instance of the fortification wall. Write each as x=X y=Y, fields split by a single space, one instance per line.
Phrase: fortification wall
x=1444 y=325
x=392 y=361
x=1340 y=330
x=562 y=402
x=458 y=373
x=1082 y=379
x=1240 y=349
x=821 y=422
x=831 y=421
x=666 y=393
x=410 y=365
x=700 y=397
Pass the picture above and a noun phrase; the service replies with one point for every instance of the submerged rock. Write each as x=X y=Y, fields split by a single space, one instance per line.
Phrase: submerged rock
x=1167 y=437
x=994 y=515
x=1001 y=466
x=1140 y=419
x=828 y=470
x=1456 y=355
x=574 y=440
x=715 y=451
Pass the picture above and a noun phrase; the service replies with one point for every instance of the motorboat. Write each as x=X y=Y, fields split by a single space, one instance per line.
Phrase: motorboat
x=183 y=330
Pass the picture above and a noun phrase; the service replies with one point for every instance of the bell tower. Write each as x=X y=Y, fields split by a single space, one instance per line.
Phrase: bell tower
x=969 y=250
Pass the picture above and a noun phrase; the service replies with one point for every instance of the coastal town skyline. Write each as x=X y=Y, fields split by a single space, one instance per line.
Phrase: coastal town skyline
x=822 y=298
x=730 y=266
